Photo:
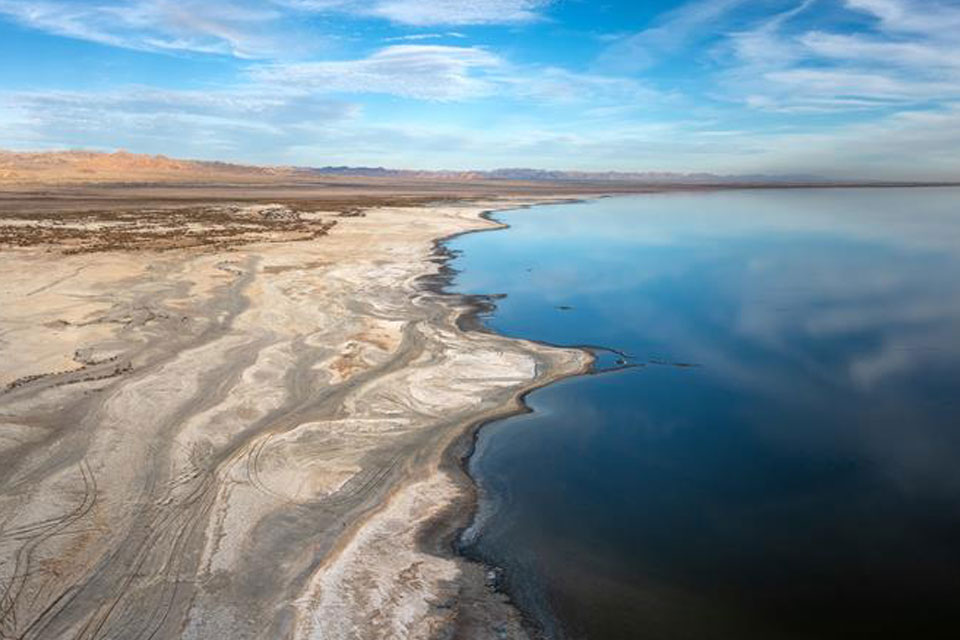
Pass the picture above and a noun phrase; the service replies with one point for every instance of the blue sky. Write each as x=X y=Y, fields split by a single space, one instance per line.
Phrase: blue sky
x=842 y=88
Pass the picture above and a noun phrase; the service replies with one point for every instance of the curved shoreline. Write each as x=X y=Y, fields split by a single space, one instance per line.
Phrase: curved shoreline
x=445 y=534
x=265 y=438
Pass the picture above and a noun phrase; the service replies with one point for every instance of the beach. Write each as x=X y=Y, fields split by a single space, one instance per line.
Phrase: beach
x=479 y=320
x=219 y=433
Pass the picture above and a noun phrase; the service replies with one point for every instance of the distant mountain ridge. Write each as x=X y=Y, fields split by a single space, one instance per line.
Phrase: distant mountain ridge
x=78 y=166
x=547 y=175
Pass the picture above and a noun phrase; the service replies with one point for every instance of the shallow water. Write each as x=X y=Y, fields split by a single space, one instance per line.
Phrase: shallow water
x=783 y=460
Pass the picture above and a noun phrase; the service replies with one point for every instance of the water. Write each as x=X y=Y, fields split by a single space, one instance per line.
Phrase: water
x=783 y=460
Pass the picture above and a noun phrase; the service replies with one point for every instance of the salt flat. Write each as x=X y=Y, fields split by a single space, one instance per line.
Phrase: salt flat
x=209 y=432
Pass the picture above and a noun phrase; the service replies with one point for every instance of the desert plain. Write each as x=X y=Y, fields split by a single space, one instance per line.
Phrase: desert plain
x=237 y=408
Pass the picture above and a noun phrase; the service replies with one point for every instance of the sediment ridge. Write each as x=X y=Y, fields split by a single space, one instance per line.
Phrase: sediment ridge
x=254 y=436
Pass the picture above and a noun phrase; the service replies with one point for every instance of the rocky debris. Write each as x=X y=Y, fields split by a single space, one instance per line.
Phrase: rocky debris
x=494 y=578
x=279 y=212
x=90 y=356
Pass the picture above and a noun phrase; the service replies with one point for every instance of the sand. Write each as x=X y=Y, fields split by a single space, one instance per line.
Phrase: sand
x=207 y=433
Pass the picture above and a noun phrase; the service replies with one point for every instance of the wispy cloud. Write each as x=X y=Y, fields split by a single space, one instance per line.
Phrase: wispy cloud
x=907 y=54
x=464 y=12
x=430 y=12
x=451 y=74
x=200 y=26
x=673 y=32
x=925 y=17
x=429 y=72
x=865 y=50
x=717 y=85
x=418 y=37
x=242 y=28
x=207 y=122
x=281 y=109
x=258 y=125
x=780 y=66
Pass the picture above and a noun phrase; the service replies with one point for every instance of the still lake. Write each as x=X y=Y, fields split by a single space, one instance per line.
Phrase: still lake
x=782 y=460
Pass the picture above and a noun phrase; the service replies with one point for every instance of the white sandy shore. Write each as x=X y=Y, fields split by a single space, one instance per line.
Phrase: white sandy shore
x=246 y=442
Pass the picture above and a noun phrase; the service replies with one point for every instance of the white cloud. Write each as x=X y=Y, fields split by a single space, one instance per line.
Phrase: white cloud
x=558 y=86
x=876 y=51
x=430 y=12
x=198 y=123
x=903 y=62
x=897 y=75
x=230 y=27
x=464 y=12
x=241 y=28
x=417 y=37
x=429 y=72
x=672 y=33
x=449 y=73
x=262 y=124
x=800 y=85
x=926 y=17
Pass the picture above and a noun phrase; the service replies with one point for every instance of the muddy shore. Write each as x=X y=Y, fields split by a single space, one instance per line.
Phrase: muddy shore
x=209 y=432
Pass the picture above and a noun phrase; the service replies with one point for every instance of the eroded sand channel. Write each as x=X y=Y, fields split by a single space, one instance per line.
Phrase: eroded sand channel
x=245 y=441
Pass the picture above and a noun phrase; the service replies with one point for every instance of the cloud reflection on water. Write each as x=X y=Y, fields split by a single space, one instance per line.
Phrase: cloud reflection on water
x=827 y=324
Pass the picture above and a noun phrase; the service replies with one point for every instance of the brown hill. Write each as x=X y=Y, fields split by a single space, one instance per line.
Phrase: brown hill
x=70 y=167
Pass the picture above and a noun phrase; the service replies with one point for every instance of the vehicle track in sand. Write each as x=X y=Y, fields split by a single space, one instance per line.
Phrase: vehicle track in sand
x=210 y=462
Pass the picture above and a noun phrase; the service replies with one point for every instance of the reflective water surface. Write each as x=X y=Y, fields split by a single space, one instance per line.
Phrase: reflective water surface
x=783 y=460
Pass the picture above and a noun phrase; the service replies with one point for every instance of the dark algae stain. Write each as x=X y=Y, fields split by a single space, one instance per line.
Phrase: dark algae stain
x=773 y=449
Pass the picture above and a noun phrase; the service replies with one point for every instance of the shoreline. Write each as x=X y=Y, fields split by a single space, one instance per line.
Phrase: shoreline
x=267 y=431
x=252 y=419
x=447 y=533
x=443 y=536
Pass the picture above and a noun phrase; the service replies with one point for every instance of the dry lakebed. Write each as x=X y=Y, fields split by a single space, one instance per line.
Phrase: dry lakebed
x=245 y=421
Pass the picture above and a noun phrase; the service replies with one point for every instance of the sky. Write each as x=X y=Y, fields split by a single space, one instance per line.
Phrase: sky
x=833 y=88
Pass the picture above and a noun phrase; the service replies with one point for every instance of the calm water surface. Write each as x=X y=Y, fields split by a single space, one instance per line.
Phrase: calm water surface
x=801 y=480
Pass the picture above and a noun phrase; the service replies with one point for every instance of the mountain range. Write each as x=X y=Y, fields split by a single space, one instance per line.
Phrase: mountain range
x=66 y=167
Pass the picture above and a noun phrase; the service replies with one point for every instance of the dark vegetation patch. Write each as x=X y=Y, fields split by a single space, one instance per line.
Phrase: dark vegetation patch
x=159 y=229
